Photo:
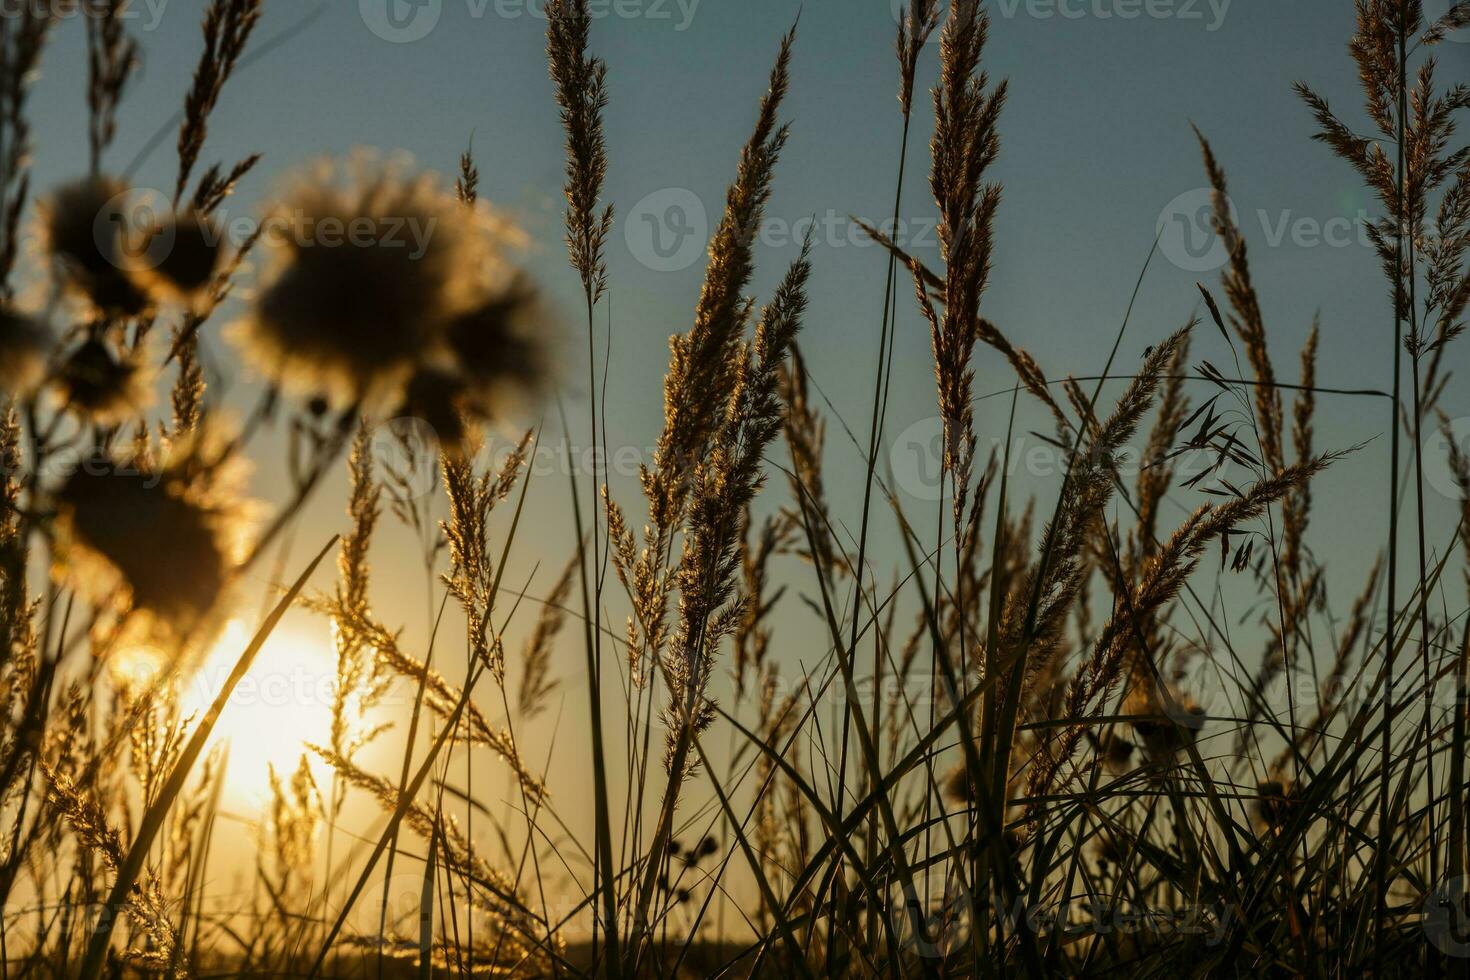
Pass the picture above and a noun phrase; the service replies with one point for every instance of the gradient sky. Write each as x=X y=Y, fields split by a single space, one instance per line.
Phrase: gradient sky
x=1097 y=152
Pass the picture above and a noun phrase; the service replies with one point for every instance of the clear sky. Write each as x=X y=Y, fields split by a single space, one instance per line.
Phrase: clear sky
x=1097 y=152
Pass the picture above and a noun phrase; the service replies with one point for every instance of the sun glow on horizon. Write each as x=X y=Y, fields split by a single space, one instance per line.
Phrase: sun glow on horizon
x=281 y=705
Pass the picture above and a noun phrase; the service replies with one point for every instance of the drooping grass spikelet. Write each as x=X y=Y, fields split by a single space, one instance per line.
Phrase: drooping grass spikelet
x=537 y=683
x=1246 y=318
x=1098 y=677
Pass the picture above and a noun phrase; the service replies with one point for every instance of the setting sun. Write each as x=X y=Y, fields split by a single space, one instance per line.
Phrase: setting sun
x=281 y=705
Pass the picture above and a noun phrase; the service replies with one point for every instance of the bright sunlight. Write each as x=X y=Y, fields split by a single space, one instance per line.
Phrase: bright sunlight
x=282 y=704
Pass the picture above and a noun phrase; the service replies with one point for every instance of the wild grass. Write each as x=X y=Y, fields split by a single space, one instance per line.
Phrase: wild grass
x=1039 y=743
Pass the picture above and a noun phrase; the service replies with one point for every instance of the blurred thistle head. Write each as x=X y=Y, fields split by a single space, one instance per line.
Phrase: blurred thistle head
x=1272 y=804
x=440 y=399
x=102 y=385
x=367 y=270
x=495 y=365
x=182 y=256
x=158 y=538
x=1110 y=849
x=1115 y=751
x=91 y=235
x=25 y=343
x=1169 y=720
x=500 y=346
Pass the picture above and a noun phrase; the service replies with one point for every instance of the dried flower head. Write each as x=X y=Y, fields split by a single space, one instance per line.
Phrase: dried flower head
x=24 y=345
x=184 y=255
x=101 y=385
x=1115 y=752
x=373 y=276
x=1273 y=803
x=500 y=347
x=440 y=400
x=158 y=539
x=1110 y=849
x=1166 y=723
x=88 y=235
